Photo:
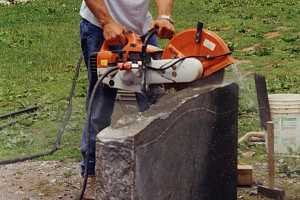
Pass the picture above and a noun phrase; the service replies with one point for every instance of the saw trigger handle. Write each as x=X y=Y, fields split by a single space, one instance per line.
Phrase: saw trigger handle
x=130 y=38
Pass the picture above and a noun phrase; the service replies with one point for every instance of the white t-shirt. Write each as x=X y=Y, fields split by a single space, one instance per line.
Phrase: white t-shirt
x=132 y=14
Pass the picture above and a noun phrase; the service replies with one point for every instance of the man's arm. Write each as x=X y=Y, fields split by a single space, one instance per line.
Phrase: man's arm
x=166 y=28
x=112 y=30
x=164 y=7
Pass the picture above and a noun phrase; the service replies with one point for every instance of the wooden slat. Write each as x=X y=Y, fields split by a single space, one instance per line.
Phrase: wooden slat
x=263 y=100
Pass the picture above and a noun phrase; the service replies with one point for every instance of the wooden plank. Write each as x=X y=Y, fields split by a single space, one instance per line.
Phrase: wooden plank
x=263 y=100
x=245 y=175
x=271 y=161
x=274 y=193
x=270 y=191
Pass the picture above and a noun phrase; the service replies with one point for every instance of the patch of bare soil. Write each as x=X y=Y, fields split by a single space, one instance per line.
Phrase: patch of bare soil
x=41 y=180
x=282 y=28
x=251 y=48
x=242 y=62
x=53 y=180
x=272 y=35
x=291 y=184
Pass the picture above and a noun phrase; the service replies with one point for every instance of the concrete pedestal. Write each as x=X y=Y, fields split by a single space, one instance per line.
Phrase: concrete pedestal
x=183 y=148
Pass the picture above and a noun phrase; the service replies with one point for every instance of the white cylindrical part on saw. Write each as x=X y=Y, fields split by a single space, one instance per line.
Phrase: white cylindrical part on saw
x=185 y=71
x=161 y=72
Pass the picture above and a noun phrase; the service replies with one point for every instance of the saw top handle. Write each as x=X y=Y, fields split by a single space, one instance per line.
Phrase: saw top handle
x=147 y=38
x=131 y=42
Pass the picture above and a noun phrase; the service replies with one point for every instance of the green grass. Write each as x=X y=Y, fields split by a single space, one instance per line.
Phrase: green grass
x=39 y=44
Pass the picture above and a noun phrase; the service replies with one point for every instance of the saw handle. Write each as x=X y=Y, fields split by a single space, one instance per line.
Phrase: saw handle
x=147 y=37
x=131 y=42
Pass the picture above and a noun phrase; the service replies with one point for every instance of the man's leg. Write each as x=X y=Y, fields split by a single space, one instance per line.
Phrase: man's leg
x=103 y=102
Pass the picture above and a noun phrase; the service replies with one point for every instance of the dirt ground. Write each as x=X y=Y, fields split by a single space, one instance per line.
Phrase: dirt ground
x=42 y=180
x=51 y=180
x=290 y=183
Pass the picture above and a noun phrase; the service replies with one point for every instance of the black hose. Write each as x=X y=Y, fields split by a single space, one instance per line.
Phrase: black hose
x=146 y=58
x=88 y=139
x=61 y=128
x=172 y=63
x=25 y=110
x=8 y=124
x=148 y=36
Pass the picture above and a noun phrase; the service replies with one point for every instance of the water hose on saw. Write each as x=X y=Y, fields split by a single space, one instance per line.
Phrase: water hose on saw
x=90 y=106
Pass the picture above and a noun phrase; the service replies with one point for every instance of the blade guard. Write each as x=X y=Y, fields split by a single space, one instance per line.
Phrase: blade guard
x=210 y=44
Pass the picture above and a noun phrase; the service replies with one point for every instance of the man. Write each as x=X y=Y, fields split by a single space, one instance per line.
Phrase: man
x=108 y=20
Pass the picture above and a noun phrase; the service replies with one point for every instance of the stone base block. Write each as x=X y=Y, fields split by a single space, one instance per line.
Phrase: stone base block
x=183 y=148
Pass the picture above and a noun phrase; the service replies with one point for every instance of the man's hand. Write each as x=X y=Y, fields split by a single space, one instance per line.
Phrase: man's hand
x=166 y=29
x=114 y=33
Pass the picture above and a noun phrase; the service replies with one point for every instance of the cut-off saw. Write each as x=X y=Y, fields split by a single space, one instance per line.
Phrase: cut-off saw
x=190 y=56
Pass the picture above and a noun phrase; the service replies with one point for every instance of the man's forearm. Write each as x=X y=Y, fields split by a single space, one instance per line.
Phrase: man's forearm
x=99 y=9
x=164 y=7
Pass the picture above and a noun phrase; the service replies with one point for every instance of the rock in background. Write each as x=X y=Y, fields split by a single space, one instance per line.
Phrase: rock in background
x=183 y=148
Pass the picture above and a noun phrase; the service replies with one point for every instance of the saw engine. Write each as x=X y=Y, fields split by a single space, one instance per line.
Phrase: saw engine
x=189 y=56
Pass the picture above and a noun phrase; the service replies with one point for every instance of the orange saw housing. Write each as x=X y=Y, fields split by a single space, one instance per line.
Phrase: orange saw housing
x=209 y=45
x=106 y=57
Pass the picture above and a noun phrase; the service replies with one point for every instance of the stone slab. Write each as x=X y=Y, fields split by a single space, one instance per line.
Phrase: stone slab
x=183 y=148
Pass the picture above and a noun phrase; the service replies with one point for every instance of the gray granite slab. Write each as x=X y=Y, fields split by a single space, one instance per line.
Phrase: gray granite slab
x=183 y=148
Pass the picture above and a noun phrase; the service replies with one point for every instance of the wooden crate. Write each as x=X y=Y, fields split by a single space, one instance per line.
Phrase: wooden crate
x=245 y=175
